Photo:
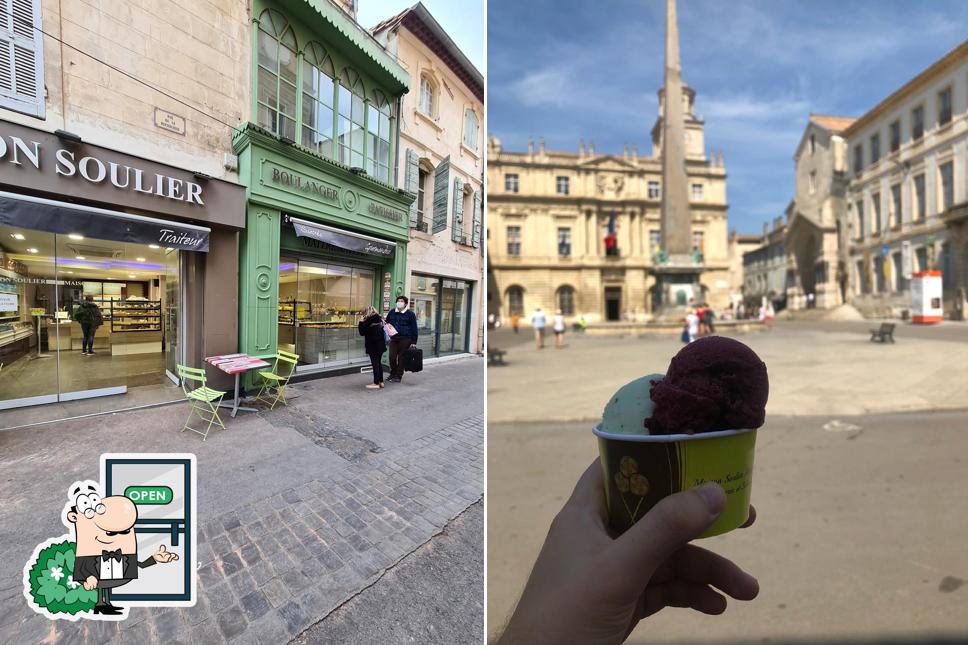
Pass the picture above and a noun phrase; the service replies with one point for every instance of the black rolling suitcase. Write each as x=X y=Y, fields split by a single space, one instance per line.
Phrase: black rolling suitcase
x=413 y=359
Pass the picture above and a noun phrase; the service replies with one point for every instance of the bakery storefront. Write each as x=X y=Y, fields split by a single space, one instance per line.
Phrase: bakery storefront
x=153 y=247
x=322 y=244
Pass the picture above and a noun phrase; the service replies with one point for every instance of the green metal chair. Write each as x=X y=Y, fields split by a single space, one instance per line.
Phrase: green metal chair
x=204 y=400
x=274 y=382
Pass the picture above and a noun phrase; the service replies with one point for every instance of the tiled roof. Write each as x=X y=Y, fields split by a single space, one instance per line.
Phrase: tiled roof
x=832 y=123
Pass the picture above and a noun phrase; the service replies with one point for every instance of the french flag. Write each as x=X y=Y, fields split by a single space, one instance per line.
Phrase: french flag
x=611 y=239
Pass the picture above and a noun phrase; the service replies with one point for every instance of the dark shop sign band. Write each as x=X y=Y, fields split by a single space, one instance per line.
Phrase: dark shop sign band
x=46 y=215
x=344 y=240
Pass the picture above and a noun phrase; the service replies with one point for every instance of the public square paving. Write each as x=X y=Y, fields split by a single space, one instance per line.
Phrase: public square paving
x=861 y=523
x=301 y=508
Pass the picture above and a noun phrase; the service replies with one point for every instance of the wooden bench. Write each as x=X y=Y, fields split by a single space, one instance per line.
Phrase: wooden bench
x=884 y=333
x=495 y=356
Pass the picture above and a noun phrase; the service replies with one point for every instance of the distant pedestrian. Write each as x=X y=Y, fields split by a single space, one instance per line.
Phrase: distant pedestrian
x=373 y=331
x=709 y=318
x=582 y=323
x=404 y=324
x=491 y=320
x=811 y=300
x=89 y=316
x=538 y=322
x=515 y=321
x=701 y=315
x=692 y=326
x=559 y=328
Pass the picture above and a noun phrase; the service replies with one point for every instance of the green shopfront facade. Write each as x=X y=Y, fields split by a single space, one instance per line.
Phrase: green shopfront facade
x=327 y=229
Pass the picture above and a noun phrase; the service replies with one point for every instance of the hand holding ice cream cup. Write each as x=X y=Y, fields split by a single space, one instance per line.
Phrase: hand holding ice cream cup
x=662 y=434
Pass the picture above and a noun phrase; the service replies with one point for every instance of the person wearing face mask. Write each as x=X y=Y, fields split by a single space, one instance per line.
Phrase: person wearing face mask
x=405 y=323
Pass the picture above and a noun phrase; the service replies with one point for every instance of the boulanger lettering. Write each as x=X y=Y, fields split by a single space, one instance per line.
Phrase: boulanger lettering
x=384 y=212
x=306 y=186
x=96 y=171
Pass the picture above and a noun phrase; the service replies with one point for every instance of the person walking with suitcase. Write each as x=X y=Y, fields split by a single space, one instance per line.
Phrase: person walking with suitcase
x=404 y=324
x=374 y=341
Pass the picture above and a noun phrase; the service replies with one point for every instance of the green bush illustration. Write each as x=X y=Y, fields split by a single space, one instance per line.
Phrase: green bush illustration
x=52 y=584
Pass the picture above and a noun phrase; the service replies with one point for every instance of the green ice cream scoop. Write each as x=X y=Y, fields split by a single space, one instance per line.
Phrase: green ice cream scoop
x=627 y=410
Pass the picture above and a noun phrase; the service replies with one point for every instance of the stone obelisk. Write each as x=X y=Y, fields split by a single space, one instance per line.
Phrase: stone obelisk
x=676 y=222
x=676 y=271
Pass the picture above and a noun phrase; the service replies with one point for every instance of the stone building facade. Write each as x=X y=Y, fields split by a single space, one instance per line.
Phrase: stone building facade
x=551 y=213
x=108 y=96
x=814 y=235
x=441 y=159
x=907 y=195
x=768 y=270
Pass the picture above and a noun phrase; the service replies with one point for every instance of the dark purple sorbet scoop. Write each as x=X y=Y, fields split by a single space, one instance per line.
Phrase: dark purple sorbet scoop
x=713 y=383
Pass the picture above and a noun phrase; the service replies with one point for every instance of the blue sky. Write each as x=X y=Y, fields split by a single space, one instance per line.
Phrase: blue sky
x=463 y=20
x=566 y=69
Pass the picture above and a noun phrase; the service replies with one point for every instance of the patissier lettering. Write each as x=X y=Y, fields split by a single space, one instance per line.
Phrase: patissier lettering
x=386 y=213
x=97 y=171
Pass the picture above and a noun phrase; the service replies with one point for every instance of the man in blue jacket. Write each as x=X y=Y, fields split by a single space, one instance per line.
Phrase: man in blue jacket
x=405 y=322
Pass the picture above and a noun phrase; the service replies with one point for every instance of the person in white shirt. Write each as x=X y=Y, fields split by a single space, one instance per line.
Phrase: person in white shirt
x=559 y=327
x=692 y=325
x=538 y=322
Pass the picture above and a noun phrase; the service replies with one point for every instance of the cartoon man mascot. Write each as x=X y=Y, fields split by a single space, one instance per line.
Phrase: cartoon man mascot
x=65 y=579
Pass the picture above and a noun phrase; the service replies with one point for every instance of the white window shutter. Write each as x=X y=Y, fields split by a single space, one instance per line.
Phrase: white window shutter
x=411 y=180
x=21 y=57
x=457 y=228
x=478 y=220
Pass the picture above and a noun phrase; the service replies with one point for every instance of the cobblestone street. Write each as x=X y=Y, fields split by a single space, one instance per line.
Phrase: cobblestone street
x=349 y=487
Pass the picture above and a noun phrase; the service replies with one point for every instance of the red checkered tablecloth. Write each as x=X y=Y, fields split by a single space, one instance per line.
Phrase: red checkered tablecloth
x=236 y=363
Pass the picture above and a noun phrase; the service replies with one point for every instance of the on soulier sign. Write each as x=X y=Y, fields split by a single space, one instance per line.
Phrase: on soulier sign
x=38 y=162
x=92 y=169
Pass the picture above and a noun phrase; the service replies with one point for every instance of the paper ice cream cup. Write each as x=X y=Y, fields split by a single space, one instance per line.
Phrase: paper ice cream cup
x=639 y=470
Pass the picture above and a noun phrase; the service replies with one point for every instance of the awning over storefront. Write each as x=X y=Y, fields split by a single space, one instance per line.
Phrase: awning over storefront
x=60 y=217
x=343 y=239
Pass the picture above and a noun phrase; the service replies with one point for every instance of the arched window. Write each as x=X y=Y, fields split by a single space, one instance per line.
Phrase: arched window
x=351 y=119
x=470 y=129
x=566 y=300
x=428 y=96
x=515 y=297
x=277 y=75
x=318 y=93
x=378 y=137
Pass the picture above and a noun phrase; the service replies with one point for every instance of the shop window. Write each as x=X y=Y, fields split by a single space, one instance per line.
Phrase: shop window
x=565 y=298
x=22 y=58
x=471 y=129
x=428 y=96
x=318 y=97
x=350 y=122
x=515 y=300
x=277 y=75
x=378 y=137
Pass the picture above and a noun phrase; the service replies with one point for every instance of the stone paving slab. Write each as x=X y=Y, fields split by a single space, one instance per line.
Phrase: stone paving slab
x=270 y=569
